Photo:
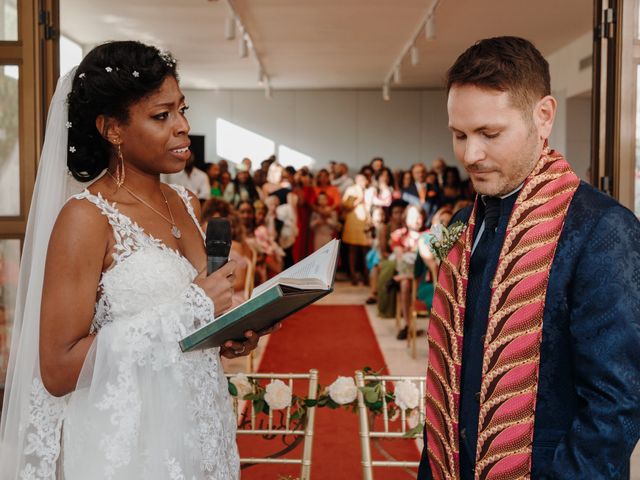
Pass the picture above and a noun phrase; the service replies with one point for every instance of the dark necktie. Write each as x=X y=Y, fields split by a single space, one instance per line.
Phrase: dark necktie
x=491 y=217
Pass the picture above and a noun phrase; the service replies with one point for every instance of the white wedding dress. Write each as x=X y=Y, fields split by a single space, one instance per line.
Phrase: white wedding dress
x=142 y=408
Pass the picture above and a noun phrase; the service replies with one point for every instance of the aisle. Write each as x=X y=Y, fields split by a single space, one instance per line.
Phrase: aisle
x=336 y=340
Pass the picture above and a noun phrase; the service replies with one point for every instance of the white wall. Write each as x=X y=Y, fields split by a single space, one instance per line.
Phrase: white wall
x=349 y=126
x=571 y=87
x=353 y=126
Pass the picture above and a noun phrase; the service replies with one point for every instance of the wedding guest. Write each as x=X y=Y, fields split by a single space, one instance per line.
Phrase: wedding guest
x=304 y=190
x=324 y=222
x=242 y=188
x=341 y=179
x=451 y=190
x=213 y=172
x=439 y=166
x=323 y=185
x=420 y=192
x=380 y=194
x=356 y=224
x=533 y=367
x=374 y=255
x=386 y=291
x=376 y=164
x=191 y=178
x=404 y=245
x=367 y=171
x=264 y=241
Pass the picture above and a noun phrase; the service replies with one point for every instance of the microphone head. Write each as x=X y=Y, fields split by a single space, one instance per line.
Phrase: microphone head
x=218 y=242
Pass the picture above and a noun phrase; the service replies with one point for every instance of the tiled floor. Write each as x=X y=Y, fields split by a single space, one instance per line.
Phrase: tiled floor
x=395 y=352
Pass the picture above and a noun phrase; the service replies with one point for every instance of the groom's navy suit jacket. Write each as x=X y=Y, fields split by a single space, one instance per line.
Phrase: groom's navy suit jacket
x=588 y=402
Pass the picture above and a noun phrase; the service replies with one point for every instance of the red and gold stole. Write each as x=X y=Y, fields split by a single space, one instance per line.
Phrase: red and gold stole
x=514 y=332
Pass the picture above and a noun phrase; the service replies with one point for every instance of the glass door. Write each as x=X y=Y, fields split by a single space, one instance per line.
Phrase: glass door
x=28 y=62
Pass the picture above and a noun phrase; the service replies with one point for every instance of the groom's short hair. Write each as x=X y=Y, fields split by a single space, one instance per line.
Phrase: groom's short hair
x=506 y=64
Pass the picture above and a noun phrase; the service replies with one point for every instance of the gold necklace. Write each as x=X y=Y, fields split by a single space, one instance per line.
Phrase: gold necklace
x=175 y=231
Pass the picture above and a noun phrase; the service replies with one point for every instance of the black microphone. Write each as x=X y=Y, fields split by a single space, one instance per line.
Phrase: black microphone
x=218 y=243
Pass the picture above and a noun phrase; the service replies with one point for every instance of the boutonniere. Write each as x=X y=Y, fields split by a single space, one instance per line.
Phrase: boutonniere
x=444 y=238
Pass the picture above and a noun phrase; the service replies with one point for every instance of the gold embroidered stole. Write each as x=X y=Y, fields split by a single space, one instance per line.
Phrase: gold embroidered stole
x=512 y=343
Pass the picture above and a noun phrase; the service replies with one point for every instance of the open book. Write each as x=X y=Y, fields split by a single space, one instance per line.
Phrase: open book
x=299 y=285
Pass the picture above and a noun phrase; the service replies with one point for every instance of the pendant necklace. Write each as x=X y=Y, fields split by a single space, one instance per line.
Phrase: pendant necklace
x=175 y=231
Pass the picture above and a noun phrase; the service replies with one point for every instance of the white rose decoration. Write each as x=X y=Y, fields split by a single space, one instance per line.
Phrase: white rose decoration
x=278 y=395
x=242 y=384
x=407 y=395
x=343 y=390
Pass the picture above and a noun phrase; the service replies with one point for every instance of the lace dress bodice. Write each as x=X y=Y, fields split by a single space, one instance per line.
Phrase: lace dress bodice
x=142 y=408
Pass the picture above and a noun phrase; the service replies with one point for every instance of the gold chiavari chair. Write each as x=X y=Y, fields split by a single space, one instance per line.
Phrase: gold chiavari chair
x=390 y=429
x=254 y=427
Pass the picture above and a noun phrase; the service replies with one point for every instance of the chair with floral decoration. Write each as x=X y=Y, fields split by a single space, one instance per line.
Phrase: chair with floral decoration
x=398 y=408
x=252 y=402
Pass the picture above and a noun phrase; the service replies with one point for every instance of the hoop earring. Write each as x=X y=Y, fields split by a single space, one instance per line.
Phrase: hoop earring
x=120 y=174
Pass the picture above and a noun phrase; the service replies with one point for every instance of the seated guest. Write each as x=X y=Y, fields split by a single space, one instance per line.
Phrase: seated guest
x=420 y=192
x=378 y=227
x=426 y=267
x=324 y=222
x=385 y=287
x=191 y=178
x=404 y=244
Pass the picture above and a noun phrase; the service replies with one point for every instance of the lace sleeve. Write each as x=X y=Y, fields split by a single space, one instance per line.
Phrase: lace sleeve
x=200 y=304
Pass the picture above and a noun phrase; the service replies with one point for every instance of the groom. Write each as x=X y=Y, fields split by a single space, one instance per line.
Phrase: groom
x=534 y=337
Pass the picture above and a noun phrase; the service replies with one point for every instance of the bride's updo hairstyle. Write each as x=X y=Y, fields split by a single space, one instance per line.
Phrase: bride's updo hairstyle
x=110 y=79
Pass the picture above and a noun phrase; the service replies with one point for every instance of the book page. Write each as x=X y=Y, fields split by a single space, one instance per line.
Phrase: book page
x=320 y=265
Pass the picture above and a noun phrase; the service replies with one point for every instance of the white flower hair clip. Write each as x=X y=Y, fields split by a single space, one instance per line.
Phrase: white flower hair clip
x=108 y=69
x=82 y=75
x=168 y=59
x=72 y=149
x=135 y=73
x=69 y=124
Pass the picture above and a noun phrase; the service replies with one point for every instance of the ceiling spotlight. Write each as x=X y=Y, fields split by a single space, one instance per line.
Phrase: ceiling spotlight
x=397 y=76
x=385 y=92
x=430 y=27
x=230 y=28
x=244 y=47
x=415 y=56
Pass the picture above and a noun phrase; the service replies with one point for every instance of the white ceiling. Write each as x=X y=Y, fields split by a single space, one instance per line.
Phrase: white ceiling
x=320 y=44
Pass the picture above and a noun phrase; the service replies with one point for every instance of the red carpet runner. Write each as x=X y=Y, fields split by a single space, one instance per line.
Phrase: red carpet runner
x=336 y=340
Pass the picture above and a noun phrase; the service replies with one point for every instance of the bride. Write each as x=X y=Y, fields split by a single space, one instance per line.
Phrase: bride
x=97 y=386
